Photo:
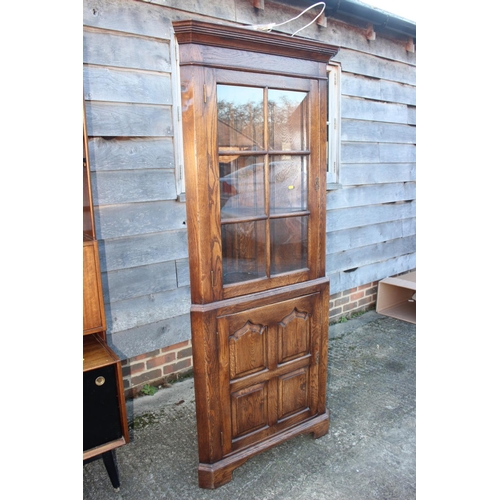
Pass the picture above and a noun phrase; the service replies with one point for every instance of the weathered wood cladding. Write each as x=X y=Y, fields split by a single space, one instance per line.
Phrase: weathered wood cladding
x=128 y=79
x=371 y=229
x=132 y=110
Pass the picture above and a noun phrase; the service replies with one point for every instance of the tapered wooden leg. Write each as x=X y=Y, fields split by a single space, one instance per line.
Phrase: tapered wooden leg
x=109 y=462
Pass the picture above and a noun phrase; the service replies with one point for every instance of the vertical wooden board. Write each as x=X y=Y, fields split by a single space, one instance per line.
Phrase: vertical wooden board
x=210 y=418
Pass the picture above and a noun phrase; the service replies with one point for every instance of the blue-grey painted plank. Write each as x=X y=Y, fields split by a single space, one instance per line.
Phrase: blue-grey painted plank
x=369 y=152
x=125 y=51
x=119 y=85
x=368 y=131
x=182 y=267
x=127 y=314
x=131 y=153
x=128 y=120
x=370 y=195
x=363 y=109
x=150 y=337
x=378 y=67
x=130 y=186
x=144 y=249
x=398 y=153
x=366 y=255
x=381 y=90
x=356 y=237
x=377 y=173
x=412 y=115
x=345 y=218
x=138 y=281
x=115 y=221
x=373 y=272
x=130 y=16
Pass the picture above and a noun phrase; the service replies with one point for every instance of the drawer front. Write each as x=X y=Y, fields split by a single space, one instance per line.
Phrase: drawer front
x=101 y=413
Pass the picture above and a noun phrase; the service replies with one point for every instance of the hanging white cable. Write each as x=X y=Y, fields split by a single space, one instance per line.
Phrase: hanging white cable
x=270 y=26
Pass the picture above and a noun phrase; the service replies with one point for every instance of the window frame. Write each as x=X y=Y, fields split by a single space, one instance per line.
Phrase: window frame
x=333 y=179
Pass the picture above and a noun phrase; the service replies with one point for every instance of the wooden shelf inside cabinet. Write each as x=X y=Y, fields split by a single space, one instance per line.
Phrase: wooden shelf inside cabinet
x=105 y=422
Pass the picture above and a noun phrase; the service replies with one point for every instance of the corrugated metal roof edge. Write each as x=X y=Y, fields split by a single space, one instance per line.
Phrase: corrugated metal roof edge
x=354 y=11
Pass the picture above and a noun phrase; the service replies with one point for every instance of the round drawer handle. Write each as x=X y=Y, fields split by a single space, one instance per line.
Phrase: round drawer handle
x=100 y=381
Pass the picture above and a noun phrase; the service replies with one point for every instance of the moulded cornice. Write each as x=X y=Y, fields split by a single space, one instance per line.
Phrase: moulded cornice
x=246 y=38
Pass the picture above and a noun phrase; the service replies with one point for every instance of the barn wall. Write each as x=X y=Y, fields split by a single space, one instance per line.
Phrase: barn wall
x=130 y=90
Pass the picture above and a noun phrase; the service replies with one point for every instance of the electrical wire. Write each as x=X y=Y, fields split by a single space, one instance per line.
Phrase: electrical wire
x=271 y=26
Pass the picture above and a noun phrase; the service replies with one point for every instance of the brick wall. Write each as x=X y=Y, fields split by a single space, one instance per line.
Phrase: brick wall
x=359 y=299
x=174 y=362
x=157 y=368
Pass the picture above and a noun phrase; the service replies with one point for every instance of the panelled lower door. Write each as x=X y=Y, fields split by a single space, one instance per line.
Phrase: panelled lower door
x=269 y=369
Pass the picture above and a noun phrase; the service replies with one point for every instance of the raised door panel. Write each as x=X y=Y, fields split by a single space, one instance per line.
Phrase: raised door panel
x=268 y=359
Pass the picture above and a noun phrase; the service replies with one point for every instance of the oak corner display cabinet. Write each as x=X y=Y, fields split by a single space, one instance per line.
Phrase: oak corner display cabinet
x=255 y=126
x=105 y=425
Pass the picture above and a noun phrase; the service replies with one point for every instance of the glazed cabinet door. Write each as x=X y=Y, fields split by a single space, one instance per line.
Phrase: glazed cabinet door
x=269 y=359
x=262 y=164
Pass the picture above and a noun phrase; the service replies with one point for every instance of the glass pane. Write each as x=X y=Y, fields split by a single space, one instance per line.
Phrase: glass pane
x=241 y=186
x=240 y=118
x=287 y=120
x=288 y=184
x=288 y=244
x=243 y=251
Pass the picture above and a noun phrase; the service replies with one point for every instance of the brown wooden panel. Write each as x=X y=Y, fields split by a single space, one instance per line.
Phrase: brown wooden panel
x=293 y=395
x=94 y=318
x=248 y=350
x=294 y=336
x=249 y=410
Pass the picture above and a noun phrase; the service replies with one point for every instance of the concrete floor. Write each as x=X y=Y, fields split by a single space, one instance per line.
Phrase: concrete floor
x=369 y=452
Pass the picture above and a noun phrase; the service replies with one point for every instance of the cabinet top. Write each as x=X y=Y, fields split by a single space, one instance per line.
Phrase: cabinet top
x=248 y=39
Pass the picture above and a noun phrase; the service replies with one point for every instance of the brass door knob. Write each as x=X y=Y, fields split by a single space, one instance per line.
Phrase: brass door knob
x=100 y=380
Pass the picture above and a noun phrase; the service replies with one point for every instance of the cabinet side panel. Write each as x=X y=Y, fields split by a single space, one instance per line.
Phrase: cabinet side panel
x=206 y=385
